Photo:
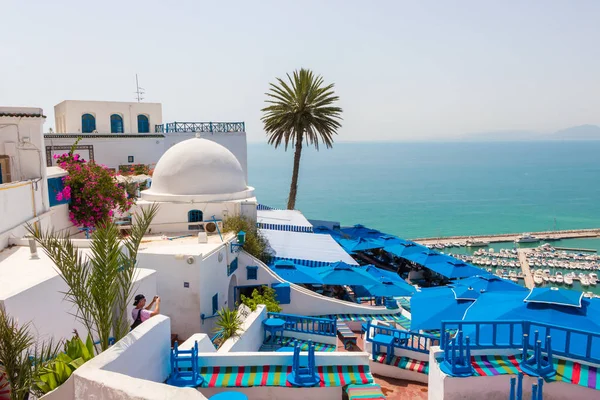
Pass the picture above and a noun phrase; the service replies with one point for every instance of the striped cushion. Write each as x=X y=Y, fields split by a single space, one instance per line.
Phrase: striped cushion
x=371 y=391
x=276 y=375
x=404 y=363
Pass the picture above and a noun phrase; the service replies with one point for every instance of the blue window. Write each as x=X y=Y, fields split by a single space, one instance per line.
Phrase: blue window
x=88 y=123
x=215 y=303
x=143 y=124
x=195 y=216
x=116 y=123
x=55 y=186
x=251 y=272
x=282 y=292
x=232 y=267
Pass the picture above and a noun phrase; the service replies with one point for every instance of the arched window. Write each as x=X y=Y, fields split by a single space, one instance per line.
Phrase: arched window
x=88 y=123
x=195 y=216
x=143 y=124
x=116 y=124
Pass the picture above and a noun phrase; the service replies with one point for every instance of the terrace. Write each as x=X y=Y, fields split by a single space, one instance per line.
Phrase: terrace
x=210 y=127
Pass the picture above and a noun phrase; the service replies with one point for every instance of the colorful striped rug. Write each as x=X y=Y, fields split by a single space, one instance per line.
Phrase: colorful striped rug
x=404 y=363
x=289 y=342
x=397 y=318
x=566 y=371
x=371 y=391
x=276 y=375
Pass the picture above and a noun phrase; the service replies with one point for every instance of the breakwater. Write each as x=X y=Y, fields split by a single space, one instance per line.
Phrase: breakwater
x=509 y=237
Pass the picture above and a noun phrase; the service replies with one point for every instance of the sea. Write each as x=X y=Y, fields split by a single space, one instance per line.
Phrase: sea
x=433 y=189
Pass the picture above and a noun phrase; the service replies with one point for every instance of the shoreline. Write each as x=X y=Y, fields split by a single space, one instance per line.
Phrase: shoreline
x=510 y=237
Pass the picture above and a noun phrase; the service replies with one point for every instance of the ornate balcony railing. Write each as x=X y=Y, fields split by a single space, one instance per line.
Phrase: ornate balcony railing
x=210 y=127
x=302 y=324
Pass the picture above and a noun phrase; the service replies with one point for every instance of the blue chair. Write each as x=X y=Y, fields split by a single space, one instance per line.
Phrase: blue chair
x=304 y=376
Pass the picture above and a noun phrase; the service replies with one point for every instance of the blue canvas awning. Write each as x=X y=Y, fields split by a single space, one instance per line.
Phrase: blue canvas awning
x=551 y=295
x=486 y=283
x=296 y=273
x=341 y=273
x=358 y=230
x=431 y=306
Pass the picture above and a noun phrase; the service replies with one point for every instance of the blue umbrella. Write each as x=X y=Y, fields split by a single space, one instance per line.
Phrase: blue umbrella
x=405 y=250
x=451 y=267
x=390 y=289
x=382 y=274
x=486 y=283
x=552 y=295
x=431 y=306
x=358 y=230
x=341 y=273
x=360 y=244
x=422 y=256
x=296 y=273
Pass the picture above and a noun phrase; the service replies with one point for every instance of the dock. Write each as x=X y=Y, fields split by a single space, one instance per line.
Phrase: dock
x=525 y=268
x=510 y=237
x=575 y=249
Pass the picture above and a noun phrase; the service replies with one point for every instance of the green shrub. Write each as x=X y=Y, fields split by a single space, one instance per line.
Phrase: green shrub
x=266 y=296
x=256 y=244
x=55 y=372
x=228 y=324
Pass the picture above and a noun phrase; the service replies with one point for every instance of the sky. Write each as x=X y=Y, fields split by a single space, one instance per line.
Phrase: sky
x=404 y=70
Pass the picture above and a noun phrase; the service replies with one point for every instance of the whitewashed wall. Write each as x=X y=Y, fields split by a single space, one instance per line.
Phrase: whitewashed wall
x=110 y=150
x=68 y=115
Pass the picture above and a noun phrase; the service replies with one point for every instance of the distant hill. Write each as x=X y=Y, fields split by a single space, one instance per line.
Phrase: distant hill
x=582 y=132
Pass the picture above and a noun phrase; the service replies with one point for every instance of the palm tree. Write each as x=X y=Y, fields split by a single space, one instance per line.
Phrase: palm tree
x=301 y=109
x=101 y=285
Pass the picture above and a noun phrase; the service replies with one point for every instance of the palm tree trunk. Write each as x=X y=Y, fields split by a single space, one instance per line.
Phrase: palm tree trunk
x=294 y=186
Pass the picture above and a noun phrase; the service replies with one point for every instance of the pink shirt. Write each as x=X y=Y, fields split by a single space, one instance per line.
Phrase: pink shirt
x=144 y=315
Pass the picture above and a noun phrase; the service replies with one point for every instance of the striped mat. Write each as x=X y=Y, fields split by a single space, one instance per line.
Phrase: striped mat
x=404 y=363
x=276 y=375
x=371 y=391
x=289 y=342
x=566 y=371
x=397 y=318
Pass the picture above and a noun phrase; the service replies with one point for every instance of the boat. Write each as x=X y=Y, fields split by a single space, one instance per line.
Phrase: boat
x=583 y=279
x=559 y=277
x=538 y=280
x=476 y=243
x=568 y=279
x=527 y=238
x=549 y=239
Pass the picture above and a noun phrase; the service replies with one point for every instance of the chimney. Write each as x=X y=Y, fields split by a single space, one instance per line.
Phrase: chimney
x=33 y=249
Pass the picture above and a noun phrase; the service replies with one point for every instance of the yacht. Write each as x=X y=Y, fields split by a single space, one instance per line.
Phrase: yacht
x=526 y=238
x=538 y=280
x=477 y=243
x=559 y=277
x=568 y=279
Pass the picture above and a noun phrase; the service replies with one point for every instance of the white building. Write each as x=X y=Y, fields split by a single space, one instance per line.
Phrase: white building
x=120 y=134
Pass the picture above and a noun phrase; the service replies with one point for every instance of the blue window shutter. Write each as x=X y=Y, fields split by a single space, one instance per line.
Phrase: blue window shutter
x=195 y=216
x=116 y=124
x=88 y=123
x=251 y=272
x=55 y=185
x=143 y=124
x=215 y=303
x=231 y=268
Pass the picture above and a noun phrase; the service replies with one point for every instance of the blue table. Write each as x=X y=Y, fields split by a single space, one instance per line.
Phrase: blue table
x=273 y=325
x=383 y=340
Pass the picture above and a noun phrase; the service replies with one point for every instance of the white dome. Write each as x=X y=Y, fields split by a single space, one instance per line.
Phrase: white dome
x=197 y=167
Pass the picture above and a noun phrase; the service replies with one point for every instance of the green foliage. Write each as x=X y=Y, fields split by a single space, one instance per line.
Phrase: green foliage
x=20 y=357
x=55 y=372
x=266 y=296
x=101 y=285
x=228 y=324
x=256 y=244
x=300 y=109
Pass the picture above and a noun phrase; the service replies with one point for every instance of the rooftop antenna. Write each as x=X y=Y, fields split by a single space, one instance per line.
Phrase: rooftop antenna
x=139 y=90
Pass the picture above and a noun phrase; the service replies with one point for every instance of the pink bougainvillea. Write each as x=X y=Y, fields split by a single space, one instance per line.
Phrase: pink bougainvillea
x=92 y=189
